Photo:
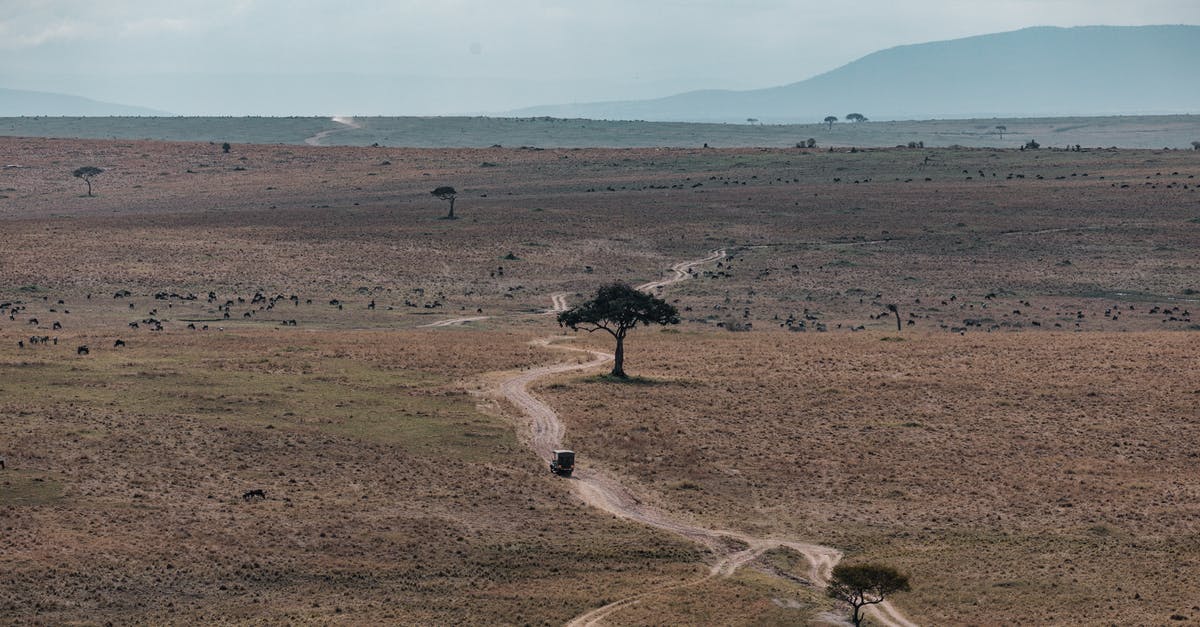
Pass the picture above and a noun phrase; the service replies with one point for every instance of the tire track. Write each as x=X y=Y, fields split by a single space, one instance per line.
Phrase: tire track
x=546 y=433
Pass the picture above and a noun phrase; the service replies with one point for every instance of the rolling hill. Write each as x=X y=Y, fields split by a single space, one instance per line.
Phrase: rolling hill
x=1034 y=72
x=17 y=102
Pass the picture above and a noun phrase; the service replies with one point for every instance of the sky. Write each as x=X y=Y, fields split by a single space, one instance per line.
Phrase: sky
x=516 y=52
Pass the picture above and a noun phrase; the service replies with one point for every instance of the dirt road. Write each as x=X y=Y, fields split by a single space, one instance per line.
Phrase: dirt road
x=598 y=490
x=347 y=123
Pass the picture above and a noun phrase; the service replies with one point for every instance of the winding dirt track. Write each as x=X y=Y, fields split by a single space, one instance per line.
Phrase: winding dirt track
x=347 y=123
x=604 y=493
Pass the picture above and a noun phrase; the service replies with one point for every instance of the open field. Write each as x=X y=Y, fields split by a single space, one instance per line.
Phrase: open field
x=1025 y=447
x=1151 y=132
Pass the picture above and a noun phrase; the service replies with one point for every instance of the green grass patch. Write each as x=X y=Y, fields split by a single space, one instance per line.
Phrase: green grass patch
x=19 y=487
x=413 y=409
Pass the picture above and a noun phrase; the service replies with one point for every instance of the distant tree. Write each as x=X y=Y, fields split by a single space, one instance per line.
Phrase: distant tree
x=895 y=310
x=448 y=194
x=752 y=120
x=1000 y=128
x=225 y=147
x=86 y=173
x=616 y=309
x=866 y=584
x=856 y=117
x=1196 y=145
x=830 y=120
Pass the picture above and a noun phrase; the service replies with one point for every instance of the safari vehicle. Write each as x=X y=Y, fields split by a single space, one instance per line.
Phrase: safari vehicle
x=562 y=463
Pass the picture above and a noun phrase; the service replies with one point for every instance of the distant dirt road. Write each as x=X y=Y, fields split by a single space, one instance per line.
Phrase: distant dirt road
x=347 y=122
x=558 y=303
x=602 y=492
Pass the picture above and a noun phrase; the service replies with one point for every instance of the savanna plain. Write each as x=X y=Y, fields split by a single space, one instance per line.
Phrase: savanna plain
x=1021 y=436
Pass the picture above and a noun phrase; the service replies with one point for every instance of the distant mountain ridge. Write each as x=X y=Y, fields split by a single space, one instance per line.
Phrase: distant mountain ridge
x=1033 y=72
x=18 y=102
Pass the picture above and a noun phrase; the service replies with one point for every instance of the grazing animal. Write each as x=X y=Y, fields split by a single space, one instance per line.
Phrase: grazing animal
x=250 y=494
x=20 y=344
x=118 y=343
x=56 y=326
x=33 y=321
x=2 y=463
x=82 y=350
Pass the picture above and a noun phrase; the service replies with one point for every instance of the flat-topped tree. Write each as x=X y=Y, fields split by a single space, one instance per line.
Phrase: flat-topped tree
x=865 y=584
x=830 y=119
x=616 y=309
x=86 y=173
x=448 y=194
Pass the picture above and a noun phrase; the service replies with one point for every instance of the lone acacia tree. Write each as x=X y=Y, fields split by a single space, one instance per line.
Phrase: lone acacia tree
x=866 y=584
x=830 y=120
x=856 y=117
x=617 y=308
x=448 y=194
x=86 y=173
x=895 y=310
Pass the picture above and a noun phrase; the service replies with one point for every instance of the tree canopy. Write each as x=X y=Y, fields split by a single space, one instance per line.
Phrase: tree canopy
x=830 y=119
x=856 y=117
x=864 y=584
x=616 y=309
x=448 y=194
x=86 y=173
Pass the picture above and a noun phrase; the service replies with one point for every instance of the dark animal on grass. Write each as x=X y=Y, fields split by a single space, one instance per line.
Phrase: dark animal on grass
x=56 y=326
x=33 y=321
x=118 y=343
x=82 y=350
x=20 y=344
x=252 y=494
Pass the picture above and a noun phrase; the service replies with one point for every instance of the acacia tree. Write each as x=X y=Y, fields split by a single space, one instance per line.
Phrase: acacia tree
x=856 y=117
x=86 y=173
x=448 y=194
x=616 y=309
x=830 y=120
x=895 y=310
x=1001 y=129
x=865 y=584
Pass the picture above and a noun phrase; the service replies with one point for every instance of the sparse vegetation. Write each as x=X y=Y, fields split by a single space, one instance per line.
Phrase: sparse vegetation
x=1059 y=388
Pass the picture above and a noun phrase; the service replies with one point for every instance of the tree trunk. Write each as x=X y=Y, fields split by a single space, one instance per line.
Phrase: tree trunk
x=451 y=216
x=619 y=358
x=897 y=312
x=89 y=184
x=857 y=617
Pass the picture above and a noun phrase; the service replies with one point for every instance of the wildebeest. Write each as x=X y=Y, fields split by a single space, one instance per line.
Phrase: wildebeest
x=33 y=321
x=82 y=350
x=20 y=344
x=56 y=326
x=250 y=494
x=118 y=343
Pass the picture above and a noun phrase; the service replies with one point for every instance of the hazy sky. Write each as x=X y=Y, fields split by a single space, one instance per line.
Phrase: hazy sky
x=666 y=45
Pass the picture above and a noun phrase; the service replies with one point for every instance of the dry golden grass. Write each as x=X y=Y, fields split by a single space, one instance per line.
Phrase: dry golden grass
x=1021 y=473
x=1044 y=478
x=390 y=498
